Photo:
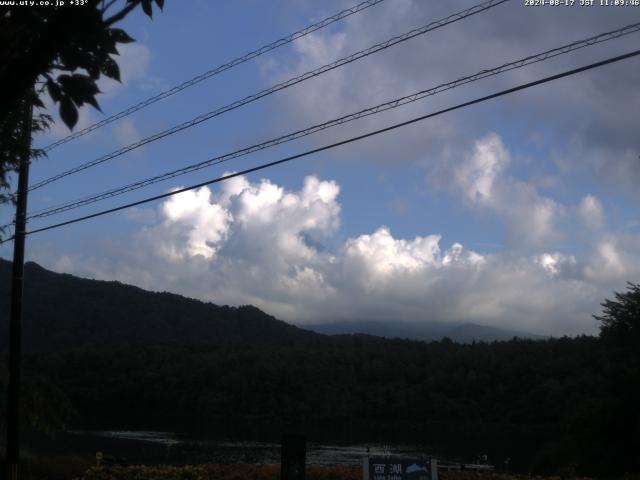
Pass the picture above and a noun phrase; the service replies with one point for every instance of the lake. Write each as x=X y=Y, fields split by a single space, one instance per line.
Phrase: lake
x=152 y=447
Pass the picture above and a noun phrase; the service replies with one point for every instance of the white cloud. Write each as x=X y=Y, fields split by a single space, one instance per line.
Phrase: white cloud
x=379 y=259
x=192 y=226
x=259 y=243
x=591 y=212
x=478 y=175
x=532 y=219
x=126 y=132
x=596 y=110
x=605 y=263
x=557 y=264
x=481 y=177
x=259 y=223
x=133 y=61
x=140 y=215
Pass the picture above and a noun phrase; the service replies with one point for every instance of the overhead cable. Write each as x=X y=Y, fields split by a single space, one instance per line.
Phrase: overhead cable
x=280 y=86
x=215 y=71
x=343 y=142
x=596 y=39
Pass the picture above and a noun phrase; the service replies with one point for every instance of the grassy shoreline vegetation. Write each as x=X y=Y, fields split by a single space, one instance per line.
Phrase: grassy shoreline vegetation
x=215 y=472
x=74 y=467
x=272 y=472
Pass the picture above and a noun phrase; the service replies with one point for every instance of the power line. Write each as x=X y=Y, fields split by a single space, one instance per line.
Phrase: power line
x=10 y=227
x=343 y=142
x=603 y=37
x=280 y=86
x=215 y=71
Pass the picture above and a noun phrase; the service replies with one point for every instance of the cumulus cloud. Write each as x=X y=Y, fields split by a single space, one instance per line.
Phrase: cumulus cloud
x=588 y=120
x=591 y=212
x=192 y=226
x=380 y=262
x=556 y=264
x=478 y=175
x=260 y=243
x=481 y=177
x=605 y=263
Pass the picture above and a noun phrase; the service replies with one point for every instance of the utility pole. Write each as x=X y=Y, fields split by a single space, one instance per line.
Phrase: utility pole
x=17 y=281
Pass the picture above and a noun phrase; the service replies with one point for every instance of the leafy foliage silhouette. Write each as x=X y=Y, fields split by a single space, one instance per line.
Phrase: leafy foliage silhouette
x=612 y=425
x=63 y=51
x=620 y=319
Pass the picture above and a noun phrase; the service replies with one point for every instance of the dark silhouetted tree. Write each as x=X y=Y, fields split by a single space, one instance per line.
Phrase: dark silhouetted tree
x=620 y=320
x=612 y=429
x=63 y=50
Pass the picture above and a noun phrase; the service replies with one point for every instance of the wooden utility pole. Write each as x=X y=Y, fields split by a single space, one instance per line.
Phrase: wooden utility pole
x=17 y=281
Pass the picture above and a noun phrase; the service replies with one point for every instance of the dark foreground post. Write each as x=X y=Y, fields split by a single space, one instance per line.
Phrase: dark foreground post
x=294 y=457
x=17 y=275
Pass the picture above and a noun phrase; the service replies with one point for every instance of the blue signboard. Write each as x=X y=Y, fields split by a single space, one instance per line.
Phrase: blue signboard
x=389 y=468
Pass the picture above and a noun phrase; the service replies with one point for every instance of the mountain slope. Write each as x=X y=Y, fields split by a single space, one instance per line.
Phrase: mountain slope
x=63 y=312
x=426 y=331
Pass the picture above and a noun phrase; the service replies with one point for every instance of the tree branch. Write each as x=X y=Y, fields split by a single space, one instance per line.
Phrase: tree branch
x=121 y=14
x=107 y=6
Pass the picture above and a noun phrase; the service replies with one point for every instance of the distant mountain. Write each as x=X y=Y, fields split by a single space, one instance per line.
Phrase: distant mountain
x=64 y=312
x=426 y=331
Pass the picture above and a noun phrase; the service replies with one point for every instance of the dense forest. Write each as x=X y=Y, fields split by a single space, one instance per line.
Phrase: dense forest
x=565 y=405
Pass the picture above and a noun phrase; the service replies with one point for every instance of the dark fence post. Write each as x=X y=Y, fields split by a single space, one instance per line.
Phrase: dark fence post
x=294 y=457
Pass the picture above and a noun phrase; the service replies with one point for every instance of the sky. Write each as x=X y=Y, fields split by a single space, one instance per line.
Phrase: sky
x=520 y=212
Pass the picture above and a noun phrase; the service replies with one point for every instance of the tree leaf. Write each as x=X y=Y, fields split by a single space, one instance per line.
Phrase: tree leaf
x=94 y=103
x=147 y=7
x=54 y=90
x=111 y=69
x=38 y=103
x=93 y=69
x=68 y=112
x=74 y=57
x=108 y=44
x=80 y=88
x=63 y=81
x=120 y=36
x=160 y=4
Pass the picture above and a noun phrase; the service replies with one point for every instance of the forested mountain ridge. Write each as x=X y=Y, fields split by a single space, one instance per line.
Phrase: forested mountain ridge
x=63 y=312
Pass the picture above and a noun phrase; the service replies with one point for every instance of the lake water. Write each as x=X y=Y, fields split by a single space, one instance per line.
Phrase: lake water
x=150 y=447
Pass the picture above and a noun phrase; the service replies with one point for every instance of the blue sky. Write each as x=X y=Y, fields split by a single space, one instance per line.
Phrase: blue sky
x=520 y=212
